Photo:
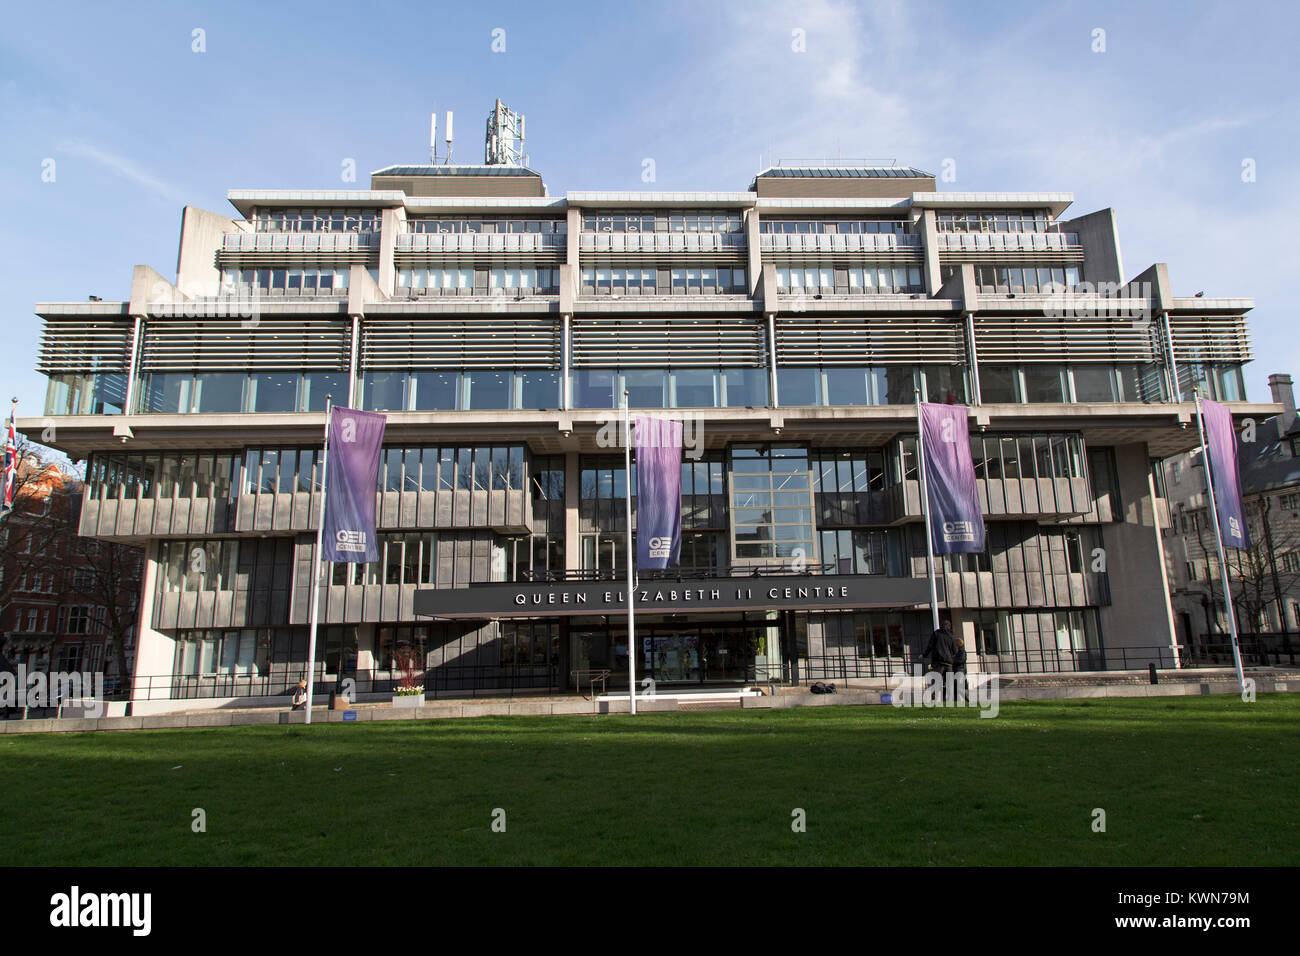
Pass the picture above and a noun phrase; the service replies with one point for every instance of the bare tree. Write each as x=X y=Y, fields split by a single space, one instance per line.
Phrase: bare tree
x=39 y=537
x=111 y=575
x=1260 y=575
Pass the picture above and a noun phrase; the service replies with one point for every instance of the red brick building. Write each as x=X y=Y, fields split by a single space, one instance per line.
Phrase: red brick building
x=55 y=586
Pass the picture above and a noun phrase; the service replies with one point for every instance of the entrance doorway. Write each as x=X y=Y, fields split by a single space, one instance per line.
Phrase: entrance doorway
x=676 y=652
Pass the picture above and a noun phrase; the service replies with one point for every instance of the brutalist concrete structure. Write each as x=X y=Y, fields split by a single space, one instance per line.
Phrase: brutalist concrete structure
x=790 y=324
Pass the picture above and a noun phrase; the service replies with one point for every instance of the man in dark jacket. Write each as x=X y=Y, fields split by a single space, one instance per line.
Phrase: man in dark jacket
x=941 y=652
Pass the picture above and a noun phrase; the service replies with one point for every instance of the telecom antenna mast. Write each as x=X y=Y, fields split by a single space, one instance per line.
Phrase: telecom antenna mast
x=504 y=145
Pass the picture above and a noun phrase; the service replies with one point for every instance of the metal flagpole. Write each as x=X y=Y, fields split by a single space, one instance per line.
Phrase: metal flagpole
x=1218 y=540
x=631 y=586
x=316 y=563
x=925 y=510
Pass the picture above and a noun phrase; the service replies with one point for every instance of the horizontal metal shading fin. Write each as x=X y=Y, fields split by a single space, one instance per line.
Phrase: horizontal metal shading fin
x=84 y=345
x=659 y=343
x=213 y=345
x=495 y=341
x=1066 y=340
x=824 y=341
x=1220 y=339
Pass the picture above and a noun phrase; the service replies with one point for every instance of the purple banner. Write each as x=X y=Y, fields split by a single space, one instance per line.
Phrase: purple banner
x=952 y=500
x=658 y=492
x=352 y=482
x=1221 y=449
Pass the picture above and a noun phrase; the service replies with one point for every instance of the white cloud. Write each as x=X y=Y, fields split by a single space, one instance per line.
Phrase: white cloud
x=126 y=168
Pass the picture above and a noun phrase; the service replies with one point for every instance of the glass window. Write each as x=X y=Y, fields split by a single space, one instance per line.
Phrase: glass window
x=274 y=392
x=393 y=470
x=219 y=392
x=899 y=385
x=846 y=386
x=385 y=391
x=743 y=387
x=1043 y=383
x=434 y=391
x=539 y=388
x=645 y=388
x=488 y=388
x=1094 y=383
x=999 y=383
x=798 y=386
x=945 y=384
x=316 y=386
x=694 y=388
x=593 y=388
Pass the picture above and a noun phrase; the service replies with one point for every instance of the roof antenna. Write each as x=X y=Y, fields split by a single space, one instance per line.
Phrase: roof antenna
x=433 y=138
x=504 y=141
x=447 y=158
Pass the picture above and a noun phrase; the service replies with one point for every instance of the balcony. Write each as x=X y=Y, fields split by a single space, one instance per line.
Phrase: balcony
x=729 y=244
x=306 y=243
x=1014 y=242
x=832 y=243
x=444 y=243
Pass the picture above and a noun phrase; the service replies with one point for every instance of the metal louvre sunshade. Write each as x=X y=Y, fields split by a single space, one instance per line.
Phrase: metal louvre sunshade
x=1065 y=340
x=1210 y=338
x=235 y=344
x=822 y=341
x=494 y=341
x=656 y=343
x=84 y=345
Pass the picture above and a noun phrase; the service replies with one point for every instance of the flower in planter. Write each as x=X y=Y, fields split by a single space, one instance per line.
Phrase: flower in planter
x=411 y=668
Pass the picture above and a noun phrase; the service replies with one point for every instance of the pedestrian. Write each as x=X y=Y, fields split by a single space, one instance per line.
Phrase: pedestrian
x=300 y=696
x=940 y=653
x=959 y=672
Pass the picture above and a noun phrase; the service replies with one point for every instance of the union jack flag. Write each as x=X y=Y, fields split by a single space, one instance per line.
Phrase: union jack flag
x=11 y=464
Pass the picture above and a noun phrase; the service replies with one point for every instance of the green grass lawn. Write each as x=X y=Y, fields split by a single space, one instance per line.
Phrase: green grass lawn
x=1185 y=781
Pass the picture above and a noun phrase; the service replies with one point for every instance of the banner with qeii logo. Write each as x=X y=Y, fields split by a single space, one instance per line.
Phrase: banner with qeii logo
x=356 y=440
x=956 y=523
x=658 y=492
x=1221 y=448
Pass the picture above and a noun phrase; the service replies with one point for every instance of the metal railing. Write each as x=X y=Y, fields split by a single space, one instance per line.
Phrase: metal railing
x=1015 y=662
x=679 y=574
x=1262 y=649
x=447 y=680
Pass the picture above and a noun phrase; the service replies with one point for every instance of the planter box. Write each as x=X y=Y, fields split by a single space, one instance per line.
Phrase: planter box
x=408 y=700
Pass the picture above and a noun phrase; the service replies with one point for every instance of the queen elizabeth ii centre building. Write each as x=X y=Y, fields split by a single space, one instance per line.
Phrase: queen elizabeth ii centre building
x=789 y=325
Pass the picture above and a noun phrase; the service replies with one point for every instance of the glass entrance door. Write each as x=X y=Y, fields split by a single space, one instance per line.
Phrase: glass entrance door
x=671 y=657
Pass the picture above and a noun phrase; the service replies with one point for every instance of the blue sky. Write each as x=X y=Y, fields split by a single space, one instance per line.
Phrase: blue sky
x=1156 y=126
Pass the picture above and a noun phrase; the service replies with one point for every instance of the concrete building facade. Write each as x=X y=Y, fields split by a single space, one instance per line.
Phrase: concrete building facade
x=791 y=324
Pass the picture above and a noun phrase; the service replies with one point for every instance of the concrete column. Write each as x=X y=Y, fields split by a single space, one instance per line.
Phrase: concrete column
x=1140 y=614
x=930 y=251
x=754 y=250
x=571 y=257
x=155 y=652
x=389 y=225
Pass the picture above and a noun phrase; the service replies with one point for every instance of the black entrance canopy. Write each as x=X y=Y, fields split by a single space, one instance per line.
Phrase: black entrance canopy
x=828 y=592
